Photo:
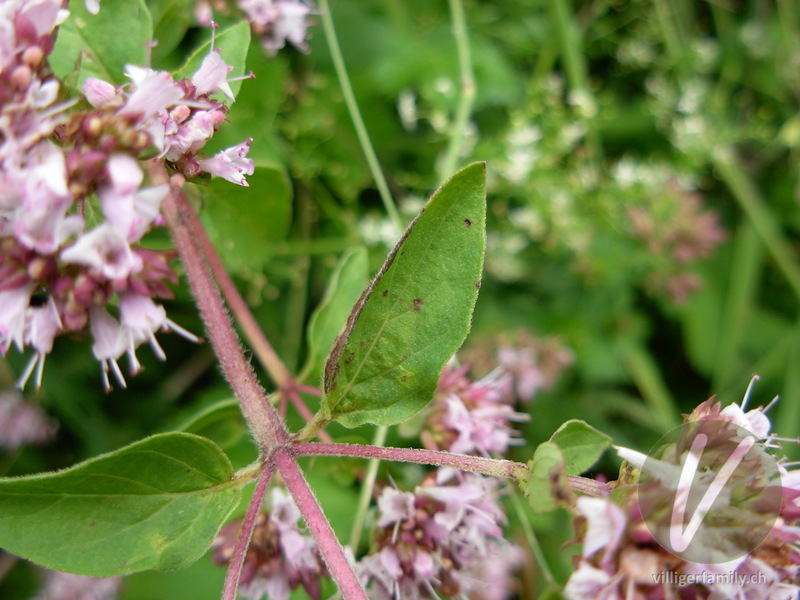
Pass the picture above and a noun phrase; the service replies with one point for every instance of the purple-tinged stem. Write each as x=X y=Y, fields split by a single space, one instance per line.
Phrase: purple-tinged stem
x=309 y=389
x=590 y=487
x=261 y=347
x=246 y=533
x=331 y=550
x=261 y=417
x=464 y=462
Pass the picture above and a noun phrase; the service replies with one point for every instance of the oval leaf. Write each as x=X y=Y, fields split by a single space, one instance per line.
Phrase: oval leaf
x=156 y=504
x=416 y=312
x=581 y=444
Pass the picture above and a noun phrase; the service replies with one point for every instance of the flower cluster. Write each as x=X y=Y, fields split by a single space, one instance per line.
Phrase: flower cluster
x=675 y=227
x=441 y=541
x=63 y=259
x=621 y=558
x=274 y=22
x=471 y=417
x=281 y=556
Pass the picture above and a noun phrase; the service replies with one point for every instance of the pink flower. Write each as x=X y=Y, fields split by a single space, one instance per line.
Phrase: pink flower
x=106 y=251
x=212 y=76
x=109 y=345
x=98 y=92
x=129 y=209
x=231 y=163
x=278 y=21
x=154 y=92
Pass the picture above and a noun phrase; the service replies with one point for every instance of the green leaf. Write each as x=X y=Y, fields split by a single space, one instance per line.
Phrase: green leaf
x=245 y=222
x=580 y=444
x=101 y=45
x=171 y=20
x=156 y=504
x=344 y=288
x=547 y=486
x=233 y=44
x=416 y=312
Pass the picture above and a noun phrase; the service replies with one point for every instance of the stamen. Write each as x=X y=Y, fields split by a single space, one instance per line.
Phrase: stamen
x=771 y=403
x=250 y=75
x=118 y=373
x=173 y=326
x=23 y=379
x=156 y=348
x=40 y=370
x=749 y=391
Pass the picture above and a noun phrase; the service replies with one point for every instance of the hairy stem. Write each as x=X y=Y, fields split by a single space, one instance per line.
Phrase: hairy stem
x=261 y=347
x=261 y=417
x=355 y=113
x=467 y=90
x=246 y=533
x=332 y=552
x=463 y=462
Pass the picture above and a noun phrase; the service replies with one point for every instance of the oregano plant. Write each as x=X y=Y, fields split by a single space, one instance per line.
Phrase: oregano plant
x=127 y=168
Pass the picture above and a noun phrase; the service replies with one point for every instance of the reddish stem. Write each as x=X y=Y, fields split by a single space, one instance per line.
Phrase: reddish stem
x=309 y=389
x=261 y=347
x=264 y=422
x=464 y=462
x=331 y=550
x=590 y=487
x=246 y=533
x=261 y=416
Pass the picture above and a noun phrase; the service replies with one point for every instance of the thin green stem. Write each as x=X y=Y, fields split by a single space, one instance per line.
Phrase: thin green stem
x=747 y=196
x=467 y=90
x=530 y=536
x=355 y=113
x=367 y=487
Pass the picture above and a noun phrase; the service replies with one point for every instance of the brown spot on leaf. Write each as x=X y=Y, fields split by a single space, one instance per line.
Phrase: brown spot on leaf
x=349 y=358
x=467 y=222
x=362 y=343
x=417 y=304
x=385 y=292
x=404 y=376
x=478 y=285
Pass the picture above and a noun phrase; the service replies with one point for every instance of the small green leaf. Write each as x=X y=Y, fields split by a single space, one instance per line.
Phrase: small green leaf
x=243 y=224
x=581 y=445
x=345 y=286
x=233 y=44
x=156 y=504
x=93 y=43
x=416 y=312
x=547 y=486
